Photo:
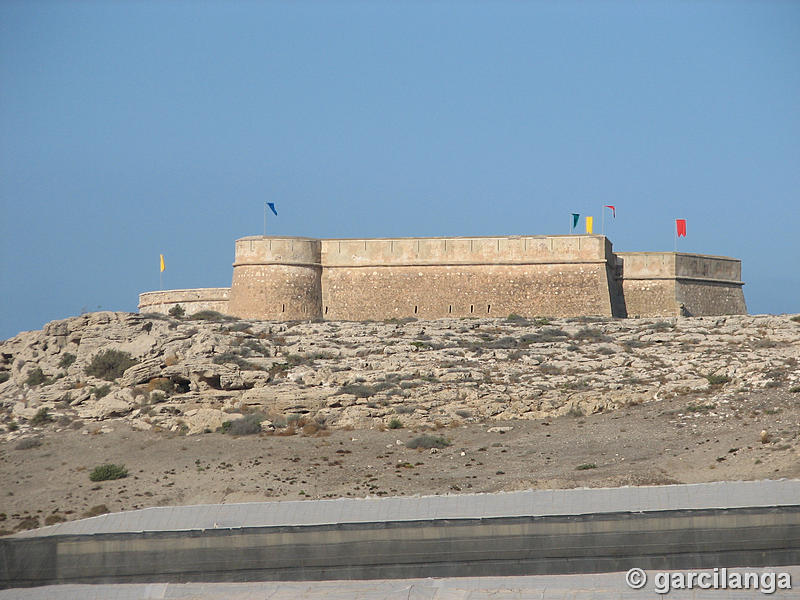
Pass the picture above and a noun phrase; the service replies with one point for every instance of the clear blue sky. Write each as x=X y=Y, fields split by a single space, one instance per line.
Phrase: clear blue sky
x=130 y=129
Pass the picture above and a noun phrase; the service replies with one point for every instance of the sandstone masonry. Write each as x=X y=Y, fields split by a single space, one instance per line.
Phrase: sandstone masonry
x=295 y=278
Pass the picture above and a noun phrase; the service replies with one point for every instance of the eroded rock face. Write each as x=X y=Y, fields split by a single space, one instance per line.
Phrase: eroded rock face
x=193 y=375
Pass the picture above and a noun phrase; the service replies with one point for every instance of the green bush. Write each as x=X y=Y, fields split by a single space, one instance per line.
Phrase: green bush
x=588 y=334
x=247 y=425
x=210 y=315
x=360 y=390
x=428 y=441
x=796 y=318
x=4 y=376
x=395 y=424
x=36 y=377
x=12 y=426
x=232 y=357
x=107 y=472
x=586 y=467
x=41 y=417
x=101 y=391
x=66 y=360
x=515 y=318
x=30 y=442
x=110 y=364
x=177 y=311
x=795 y=389
x=544 y=336
x=717 y=379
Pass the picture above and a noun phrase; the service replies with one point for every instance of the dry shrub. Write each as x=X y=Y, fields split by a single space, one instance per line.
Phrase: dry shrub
x=427 y=442
x=29 y=442
x=247 y=425
x=163 y=384
x=28 y=523
x=287 y=431
x=110 y=364
x=311 y=428
x=53 y=519
x=100 y=509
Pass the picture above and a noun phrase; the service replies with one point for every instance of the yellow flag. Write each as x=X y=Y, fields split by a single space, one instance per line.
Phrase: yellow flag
x=589 y=222
x=162 y=262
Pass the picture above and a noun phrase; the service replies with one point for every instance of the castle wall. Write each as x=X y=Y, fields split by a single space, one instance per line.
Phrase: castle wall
x=667 y=284
x=462 y=277
x=192 y=301
x=276 y=279
x=294 y=278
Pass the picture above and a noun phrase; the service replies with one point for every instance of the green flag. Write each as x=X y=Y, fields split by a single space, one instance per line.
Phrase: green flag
x=575 y=217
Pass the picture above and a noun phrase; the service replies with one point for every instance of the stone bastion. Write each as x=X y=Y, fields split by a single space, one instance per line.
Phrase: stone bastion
x=297 y=278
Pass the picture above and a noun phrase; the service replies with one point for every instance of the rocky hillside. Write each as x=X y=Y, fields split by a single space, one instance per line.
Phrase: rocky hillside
x=193 y=375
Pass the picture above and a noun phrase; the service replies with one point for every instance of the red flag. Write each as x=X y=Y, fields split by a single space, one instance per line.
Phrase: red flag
x=681 y=225
x=613 y=210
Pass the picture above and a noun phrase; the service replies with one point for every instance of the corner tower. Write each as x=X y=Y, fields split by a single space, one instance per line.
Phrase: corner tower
x=276 y=278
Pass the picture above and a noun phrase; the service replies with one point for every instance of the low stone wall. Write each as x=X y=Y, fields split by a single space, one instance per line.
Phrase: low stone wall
x=192 y=301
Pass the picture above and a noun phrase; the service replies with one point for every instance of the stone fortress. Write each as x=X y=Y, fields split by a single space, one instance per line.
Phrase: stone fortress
x=296 y=278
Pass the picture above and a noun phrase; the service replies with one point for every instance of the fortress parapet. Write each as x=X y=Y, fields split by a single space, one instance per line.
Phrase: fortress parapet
x=296 y=278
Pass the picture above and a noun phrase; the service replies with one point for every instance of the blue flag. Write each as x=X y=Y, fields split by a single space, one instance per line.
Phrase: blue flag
x=272 y=207
x=575 y=217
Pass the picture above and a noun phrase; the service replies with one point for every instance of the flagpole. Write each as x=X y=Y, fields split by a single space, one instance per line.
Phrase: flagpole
x=265 y=218
x=675 y=233
x=603 y=221
x=570 y=223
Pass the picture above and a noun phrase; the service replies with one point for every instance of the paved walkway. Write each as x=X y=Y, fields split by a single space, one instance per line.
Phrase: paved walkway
x=603 y=586
x=726 y=494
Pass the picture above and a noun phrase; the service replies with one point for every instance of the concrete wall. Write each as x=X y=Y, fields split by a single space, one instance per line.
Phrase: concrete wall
x=192 y=301
x=499 y=546
x=463 y=277
x=276 y=279
x=671 y=284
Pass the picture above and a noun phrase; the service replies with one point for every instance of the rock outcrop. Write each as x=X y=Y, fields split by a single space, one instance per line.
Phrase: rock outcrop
x=192 y=375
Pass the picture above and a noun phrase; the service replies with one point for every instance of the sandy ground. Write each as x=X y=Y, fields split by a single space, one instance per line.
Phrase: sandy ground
x=681 y=440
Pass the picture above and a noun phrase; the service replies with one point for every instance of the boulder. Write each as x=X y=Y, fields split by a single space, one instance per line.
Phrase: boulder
x=199 y=420
x=142 y=372
x=115 y=404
